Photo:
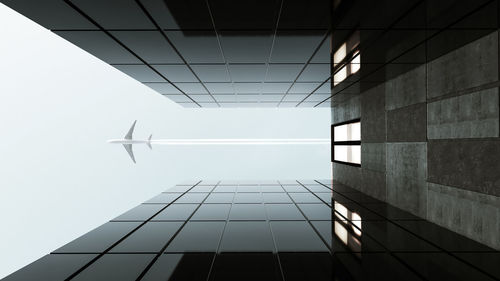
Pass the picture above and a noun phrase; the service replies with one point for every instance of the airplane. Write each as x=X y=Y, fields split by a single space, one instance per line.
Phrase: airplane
x=127 y=141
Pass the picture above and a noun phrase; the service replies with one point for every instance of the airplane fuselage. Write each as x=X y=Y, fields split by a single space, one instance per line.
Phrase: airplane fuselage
x=125 y=141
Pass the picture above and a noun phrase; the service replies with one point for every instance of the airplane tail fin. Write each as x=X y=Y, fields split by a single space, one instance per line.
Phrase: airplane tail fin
x=149 y=142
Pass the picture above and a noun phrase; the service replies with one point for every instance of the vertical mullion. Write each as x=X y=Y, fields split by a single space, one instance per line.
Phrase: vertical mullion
x=275 y=254
x=162 y=250
x=221 y=237
x=126 y=236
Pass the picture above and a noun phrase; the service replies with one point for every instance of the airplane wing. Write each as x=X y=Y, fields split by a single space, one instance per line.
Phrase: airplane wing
x=128 y=148
x=128 y=136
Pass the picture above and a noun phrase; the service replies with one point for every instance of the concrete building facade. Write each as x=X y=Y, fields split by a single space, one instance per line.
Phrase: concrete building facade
x=427 y=97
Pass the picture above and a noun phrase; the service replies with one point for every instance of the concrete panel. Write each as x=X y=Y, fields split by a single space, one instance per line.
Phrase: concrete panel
x=407 y=159
x=373 y=114
x=373 y=156
x=470 y=66
x=374 y=184
x=473 y=115
x=406 y=89
x=348 y=175
x=406 y=173
x=407 y=193
x=346 y=110
x=464 y=163
x=407 y=124
x=472 y=214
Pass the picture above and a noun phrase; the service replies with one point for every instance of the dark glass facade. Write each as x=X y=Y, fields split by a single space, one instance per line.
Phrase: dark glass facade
x=272 y=230
x=261 y=53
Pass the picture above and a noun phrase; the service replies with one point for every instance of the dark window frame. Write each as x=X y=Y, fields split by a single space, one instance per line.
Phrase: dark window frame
x=333 y=142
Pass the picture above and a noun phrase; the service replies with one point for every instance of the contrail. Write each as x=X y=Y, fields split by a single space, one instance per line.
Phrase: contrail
x=128 y=141
x=239 y=141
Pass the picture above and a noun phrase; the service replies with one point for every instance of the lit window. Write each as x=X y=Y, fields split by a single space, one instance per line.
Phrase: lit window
x=340 y=76
x=347 y=142
x=355 y=63
x=348 y=153
x=347 y=59
x=347 y=132
x=340 y=54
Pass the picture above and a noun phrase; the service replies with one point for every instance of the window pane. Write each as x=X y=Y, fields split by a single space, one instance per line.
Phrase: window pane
x=356 y=63
x=347 y=132
x=342 y=72
x=340 y=76
x=348 y=153
x=340 y=54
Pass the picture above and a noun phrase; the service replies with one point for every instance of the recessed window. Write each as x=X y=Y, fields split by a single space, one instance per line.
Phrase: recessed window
x=346 y=59
x=355 y=63
x=346 y=140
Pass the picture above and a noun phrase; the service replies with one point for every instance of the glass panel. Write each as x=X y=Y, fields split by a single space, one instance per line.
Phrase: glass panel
x=190 y=240
x=296 y=236
x=248 y=212
x=340 y=54
x=176 y=212
x=151 y=237
x=349 y=68
x=212 y=212
x=283 y=212
x=347 y=132
x=276 y=198
x=340 y=76
x=316 y=211
x=256 y=236
x=348 y=153
x=356 y=63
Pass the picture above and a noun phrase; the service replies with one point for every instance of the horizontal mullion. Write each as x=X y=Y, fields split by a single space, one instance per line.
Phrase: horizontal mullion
x=357 y=142
x=347 y=163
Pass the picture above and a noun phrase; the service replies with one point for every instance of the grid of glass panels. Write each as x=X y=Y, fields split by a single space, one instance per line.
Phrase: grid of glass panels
x=204 y=53
x=265 y=230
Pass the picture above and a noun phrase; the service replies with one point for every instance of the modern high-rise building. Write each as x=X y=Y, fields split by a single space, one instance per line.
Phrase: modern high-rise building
x=413 y=88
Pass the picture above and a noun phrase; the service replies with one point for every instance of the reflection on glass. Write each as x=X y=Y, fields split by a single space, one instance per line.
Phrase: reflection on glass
x=348 y=229
x=342 y=210
x=341 y=232
x=350 y=240
x=356 y=220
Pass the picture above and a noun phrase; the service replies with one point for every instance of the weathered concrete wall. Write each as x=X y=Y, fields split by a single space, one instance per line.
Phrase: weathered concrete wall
x=473 y=115
x=472 y=65
x=470 y=213
x=430 y=137
x=406 y=176
x=471 y=164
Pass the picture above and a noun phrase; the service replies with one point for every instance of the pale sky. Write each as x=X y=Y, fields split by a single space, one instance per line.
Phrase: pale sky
x=60 y=178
